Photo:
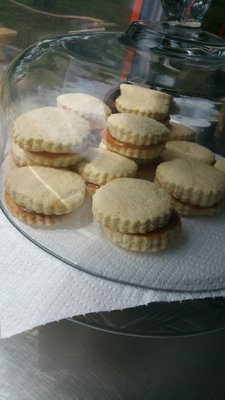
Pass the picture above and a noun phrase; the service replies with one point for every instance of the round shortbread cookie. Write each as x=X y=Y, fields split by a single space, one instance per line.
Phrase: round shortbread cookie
x=153 y=241
x=101 y=166
x=143 y=101
x=89 y=107
x=131 y=205
x=45 y=190
x=51 y=129
x=220 y=164
x=137 y=130
x=180 y=132
x=191 y=181
x=185 y=149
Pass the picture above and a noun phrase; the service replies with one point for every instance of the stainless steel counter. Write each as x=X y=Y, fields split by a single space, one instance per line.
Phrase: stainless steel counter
x=67 y=361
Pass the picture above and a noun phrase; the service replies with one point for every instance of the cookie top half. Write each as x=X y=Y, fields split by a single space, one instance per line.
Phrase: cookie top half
x=192 y=181
x=185 y=149
x=131 y=205
x=51 y=129
x=135 y=129
x=101 y=166
x=87 y=106
x=143 y=101
x=45 y=190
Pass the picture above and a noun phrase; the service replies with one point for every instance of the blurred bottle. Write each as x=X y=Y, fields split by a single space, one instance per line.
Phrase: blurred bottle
x=147 y=11
x=214 y=20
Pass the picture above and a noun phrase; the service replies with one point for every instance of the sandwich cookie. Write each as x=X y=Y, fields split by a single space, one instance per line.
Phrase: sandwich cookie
x=51 y=136
x=136 y=214
x=140 y=138
x=43 y=196
x=195 y=187
x=143 y=101
x=101 y=166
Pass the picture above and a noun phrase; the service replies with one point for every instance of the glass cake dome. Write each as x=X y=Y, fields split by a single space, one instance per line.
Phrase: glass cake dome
x=184 y=62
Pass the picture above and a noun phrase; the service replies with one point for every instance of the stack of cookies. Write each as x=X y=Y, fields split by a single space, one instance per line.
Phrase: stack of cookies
x=49 y=136
x=136 y=215
x=43 y=196
x=39 y=190
x=53 y=162
x=137 y=130
x=196 y=188
x=58 y=158
x=140 y=128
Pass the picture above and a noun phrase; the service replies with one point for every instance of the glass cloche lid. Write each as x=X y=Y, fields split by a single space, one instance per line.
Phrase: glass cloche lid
x=75 y=80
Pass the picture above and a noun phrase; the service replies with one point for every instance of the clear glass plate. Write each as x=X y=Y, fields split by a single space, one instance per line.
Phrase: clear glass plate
x=163 y=319
x=96 y=64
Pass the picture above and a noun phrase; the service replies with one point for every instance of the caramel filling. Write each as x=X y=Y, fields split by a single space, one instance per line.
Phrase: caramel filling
x=92 y=185
x=114 y=142
x=196 y=206
x=19 y=209
x=52 y=156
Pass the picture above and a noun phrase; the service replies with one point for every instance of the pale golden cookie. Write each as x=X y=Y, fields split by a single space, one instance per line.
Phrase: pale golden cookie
x=52 y=136
x=135 y=136
x=194 y=183
x=143 y=101
x=44 y=191
x=101 y=166
x=136 y=214
x=180 y=132
x=185 y=149
x=87 y=106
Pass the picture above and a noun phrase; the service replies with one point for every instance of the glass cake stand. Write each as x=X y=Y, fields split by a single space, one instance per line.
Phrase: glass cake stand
x=176 y=57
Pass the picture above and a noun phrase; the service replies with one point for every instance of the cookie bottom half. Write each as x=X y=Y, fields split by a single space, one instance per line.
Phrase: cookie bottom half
x=30 y=217
x=152 y=241
x=191 y=209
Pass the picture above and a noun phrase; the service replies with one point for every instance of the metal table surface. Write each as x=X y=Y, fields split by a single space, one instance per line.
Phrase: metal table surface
x=65 y=360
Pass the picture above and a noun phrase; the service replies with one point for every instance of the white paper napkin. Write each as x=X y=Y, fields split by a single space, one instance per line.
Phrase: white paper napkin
x=37 y=288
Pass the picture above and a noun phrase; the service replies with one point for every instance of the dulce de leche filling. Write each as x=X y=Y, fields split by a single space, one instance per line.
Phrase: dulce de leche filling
x=115 y=142
x=92 y=185
x=52 y=156
x=196 y=206
x=19 y=209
